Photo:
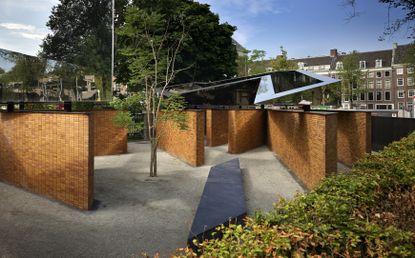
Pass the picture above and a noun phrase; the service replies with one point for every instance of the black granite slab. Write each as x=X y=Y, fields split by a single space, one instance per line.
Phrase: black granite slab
x=222 y=201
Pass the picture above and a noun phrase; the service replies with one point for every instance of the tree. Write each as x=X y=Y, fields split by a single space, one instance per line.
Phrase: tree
x=152 y=46
x=352 y=77
x=209 y=50
x=2 y=70
x=282 y=62
x=81 y=35
x=242 y=63
x=407 y=6
x=256 y=62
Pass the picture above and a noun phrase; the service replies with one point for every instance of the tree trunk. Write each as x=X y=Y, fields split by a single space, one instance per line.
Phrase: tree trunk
x=153 y=148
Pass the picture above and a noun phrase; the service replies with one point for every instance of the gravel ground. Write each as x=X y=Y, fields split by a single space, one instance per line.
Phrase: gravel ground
x=136 y=213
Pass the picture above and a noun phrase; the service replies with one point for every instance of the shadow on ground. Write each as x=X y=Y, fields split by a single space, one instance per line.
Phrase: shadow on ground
x=136 y=213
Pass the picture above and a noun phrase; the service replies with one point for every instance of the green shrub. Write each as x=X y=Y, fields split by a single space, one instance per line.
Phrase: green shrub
x=367 y=213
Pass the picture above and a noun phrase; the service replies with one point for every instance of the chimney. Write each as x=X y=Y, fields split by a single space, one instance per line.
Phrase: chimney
x=394 y=47
x=333 y=52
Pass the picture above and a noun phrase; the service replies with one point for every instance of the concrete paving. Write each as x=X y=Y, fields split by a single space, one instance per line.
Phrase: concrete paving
x=136 y=213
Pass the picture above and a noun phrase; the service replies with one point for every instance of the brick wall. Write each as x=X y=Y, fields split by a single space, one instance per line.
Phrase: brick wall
x=305 y=143
x=109 y=139
x=353 y=136
x=187 y=145
x=246 y=130
x=50 y=154
x=216 y=127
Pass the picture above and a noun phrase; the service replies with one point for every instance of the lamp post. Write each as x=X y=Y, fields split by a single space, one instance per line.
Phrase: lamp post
x=112 y=46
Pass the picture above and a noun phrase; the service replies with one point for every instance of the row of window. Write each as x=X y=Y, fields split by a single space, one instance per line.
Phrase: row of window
x=379 y=96
x=378 y=64
x=400 y=82
x=401 y=106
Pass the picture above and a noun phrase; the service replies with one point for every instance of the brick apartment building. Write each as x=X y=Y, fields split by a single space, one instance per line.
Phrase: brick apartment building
x=388 y=80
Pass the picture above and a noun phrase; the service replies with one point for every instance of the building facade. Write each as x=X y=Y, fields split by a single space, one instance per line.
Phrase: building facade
x=388 y=81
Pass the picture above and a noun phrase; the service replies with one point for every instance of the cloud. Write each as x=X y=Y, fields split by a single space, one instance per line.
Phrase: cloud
x=24 y=30
x=17 y=26
x=30 y=35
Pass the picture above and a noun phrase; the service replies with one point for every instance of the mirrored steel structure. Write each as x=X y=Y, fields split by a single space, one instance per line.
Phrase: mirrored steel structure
x=251 y=90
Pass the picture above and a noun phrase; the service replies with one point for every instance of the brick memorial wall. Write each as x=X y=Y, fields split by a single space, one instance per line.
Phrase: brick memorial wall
x=305 y=143
x=49 y=153
x=353 y=136
x=109 y=139
x=187 y=145
x=246 y=130
x=216 y=127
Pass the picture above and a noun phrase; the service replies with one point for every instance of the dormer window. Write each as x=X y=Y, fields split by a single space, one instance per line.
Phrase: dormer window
x=379 y=63
x=362 y=64
x=339 y=65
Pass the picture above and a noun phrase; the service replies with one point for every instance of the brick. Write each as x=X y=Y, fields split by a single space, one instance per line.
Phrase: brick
x=216 y=127
x=41 y=152
x=187 y=145
x=246 y=130
x=109 y=139
x=305 y=143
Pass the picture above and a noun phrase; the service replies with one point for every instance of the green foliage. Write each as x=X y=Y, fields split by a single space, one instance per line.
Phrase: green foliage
x=282 y=63
x=367 y=213
x=353 y=82
x=173 y=110
x=208 y=51
x=130 y=108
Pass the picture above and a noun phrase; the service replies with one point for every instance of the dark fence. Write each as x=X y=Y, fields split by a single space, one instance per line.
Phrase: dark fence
x=386 y=130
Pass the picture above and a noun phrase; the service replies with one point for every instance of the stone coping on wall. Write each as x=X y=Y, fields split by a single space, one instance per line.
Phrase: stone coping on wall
x=48 y=112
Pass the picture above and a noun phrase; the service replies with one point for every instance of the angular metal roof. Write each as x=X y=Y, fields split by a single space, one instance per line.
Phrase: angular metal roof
x=250 y=90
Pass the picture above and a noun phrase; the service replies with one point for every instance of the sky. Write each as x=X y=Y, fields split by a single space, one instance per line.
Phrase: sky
x=303 y=27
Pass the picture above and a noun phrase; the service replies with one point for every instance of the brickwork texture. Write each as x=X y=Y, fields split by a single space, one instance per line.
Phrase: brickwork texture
x=246 y=130
x=216 y=127
x=353 y=136
x=109 y=139
x=305 y=143
x=50 y=154
x=187 y=145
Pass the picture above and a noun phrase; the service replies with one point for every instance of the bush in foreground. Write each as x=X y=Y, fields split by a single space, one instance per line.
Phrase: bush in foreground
x=367 y=213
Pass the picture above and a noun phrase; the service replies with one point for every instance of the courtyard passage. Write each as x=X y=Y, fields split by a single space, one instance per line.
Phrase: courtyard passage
x=134 y=213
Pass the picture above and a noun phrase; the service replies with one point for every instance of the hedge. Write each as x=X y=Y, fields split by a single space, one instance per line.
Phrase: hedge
x=369 y=212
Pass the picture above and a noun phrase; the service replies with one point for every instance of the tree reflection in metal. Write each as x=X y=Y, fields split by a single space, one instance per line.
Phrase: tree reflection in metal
x=256 y=89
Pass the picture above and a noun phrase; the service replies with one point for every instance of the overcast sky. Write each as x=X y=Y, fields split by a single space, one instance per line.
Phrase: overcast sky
x=303 y=27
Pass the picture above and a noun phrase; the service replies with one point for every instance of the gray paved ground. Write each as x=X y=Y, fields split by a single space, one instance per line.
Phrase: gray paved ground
x=136 y=213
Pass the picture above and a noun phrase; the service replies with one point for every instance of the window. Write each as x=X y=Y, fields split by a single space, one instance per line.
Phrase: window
x=346 y=98
x=400 y=82
x=370 y=96
x=401 y=94
x=354 y=85
x=387 y=84
x=410 y=81
x=339 y=65
x=362 y=64
x=411 y=93
x=387 y=95
x=387 y=73
x=410 y=106
x=410 y=70
x=378 y=96
x=378 y=74
x=371 y=75
x=401 y=105
x=370 y=84
x=384 y=106
x=362 y=96
x=399 y=71
x=379 y=63
x=354 y=97
x=378 y=84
